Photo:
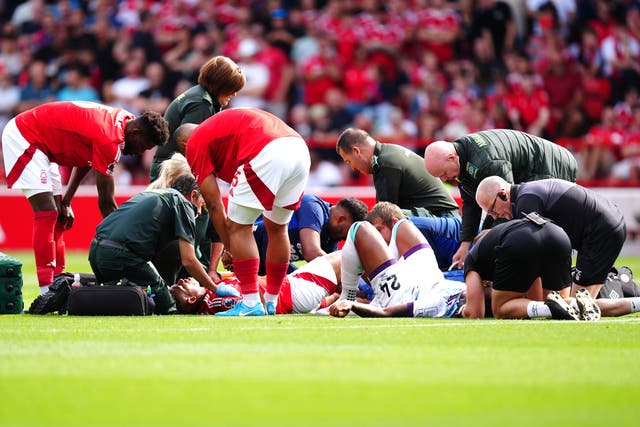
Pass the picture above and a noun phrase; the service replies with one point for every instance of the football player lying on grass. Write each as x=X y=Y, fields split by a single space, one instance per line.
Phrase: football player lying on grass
x=314 y=285
x=403 y=271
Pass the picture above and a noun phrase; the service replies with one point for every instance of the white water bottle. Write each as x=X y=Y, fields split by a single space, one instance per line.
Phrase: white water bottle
x=76 y=280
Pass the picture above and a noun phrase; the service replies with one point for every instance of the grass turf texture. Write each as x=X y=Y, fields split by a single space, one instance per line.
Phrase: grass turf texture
x=314 y=371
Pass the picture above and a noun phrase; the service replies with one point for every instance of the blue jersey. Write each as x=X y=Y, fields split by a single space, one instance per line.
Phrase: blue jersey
x=443 y=235
x=313 y=213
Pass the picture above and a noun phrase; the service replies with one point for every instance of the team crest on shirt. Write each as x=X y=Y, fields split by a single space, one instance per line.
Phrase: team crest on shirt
x=472 y=169
x=43 y=176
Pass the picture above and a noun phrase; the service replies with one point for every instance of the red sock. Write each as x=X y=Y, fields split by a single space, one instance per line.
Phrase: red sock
x=44 y=246
x=246 y=271
x=61 y=260
x=275 y=275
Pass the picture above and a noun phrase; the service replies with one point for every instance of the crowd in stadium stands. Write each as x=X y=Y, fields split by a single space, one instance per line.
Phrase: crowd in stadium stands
x=407 y=72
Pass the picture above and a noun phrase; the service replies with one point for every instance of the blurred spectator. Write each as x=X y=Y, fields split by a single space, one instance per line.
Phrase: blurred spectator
x=324 y=173
x=621 y=53
x=398 y=129
x=601 y=148
x=528 y=106
x=339 y=115
x=299 y=120
x=360 y=80
x=160 y=91
x=10 y=56
x=126 y=88
x=493 y=22
x=76 y=86
x=281 y=77
x=320 y=72
x=628 y=168
x=437 y=28
x=253 y=93
x=9 y=97
x=563 y=83
x=37 y=89
x=190 y=52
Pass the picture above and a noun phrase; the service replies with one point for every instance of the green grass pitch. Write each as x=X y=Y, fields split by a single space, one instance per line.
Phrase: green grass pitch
x=315 y=371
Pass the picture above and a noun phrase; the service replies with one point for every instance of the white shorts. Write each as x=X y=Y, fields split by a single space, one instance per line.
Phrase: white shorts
x=275 y=178
x=442 y=300
x=34 y=173
x=393 y=285
x=311 y=283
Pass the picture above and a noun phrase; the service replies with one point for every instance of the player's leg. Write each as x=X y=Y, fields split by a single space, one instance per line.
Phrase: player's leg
x=45 y=216
x=598 y=254
x=29 y=169
x=276 y=223
x=618 y=307
x=245 y=259
x=58 y=233
x=285 y=173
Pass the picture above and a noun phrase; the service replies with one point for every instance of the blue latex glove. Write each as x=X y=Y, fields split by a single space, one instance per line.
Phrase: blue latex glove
x=366 y=289
x=227 y=291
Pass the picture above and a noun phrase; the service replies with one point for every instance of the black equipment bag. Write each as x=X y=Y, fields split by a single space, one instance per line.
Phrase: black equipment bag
x=126 y=299
x=619 y=284
x=56 y=298
x=11 y=301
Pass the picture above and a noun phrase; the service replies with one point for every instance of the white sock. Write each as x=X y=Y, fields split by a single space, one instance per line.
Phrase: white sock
x=635 y=304
x=350 y=268
x=44 y=289
x=270 y=297
x=538 y=309
x=251 y=300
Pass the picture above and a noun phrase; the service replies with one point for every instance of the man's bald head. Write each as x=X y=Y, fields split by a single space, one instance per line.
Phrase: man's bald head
x=182 y=134
x=441 y=160
x=494 y=197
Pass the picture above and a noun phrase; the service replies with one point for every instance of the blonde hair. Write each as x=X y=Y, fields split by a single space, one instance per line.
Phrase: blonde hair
x=170 y=170
x=385 y=212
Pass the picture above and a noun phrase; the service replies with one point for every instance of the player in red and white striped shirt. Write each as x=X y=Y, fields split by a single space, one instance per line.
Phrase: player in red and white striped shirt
x=267 y=164
x=82 y=135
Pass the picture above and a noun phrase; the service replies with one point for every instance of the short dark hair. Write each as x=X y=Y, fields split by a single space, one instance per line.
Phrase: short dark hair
x=185 y=184
x=349 y=138
x=154 y=127
x=356 y=208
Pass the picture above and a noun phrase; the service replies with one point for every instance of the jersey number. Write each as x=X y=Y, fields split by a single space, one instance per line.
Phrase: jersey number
x=389 y=282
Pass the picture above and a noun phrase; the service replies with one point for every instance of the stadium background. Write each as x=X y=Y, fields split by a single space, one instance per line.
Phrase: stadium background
x=407 y=71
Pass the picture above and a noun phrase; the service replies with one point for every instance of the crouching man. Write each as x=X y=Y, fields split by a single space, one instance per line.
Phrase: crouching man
x=149 y=237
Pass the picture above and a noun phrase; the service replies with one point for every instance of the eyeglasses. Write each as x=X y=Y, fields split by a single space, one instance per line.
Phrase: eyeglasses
x=491 y=211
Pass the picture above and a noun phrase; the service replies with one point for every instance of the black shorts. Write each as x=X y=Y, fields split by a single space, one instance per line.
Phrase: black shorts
x=598 y=253
x=529 y=251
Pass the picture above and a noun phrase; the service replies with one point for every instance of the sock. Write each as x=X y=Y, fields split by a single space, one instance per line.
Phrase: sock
x=635 y=304
x=275 y=275
x=246 y=271
x=350 y=269
x=44 y=289
x=251 y=300
x=61 y=261
x=270 y=298
x=538 y=309
x=44 y=246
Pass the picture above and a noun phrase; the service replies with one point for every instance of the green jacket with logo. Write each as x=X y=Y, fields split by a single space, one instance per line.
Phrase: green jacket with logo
x=194 y=105
x=399 y=177
x=513 y=155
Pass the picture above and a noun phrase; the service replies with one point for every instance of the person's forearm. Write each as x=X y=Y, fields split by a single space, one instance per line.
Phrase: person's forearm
x=77 y=175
